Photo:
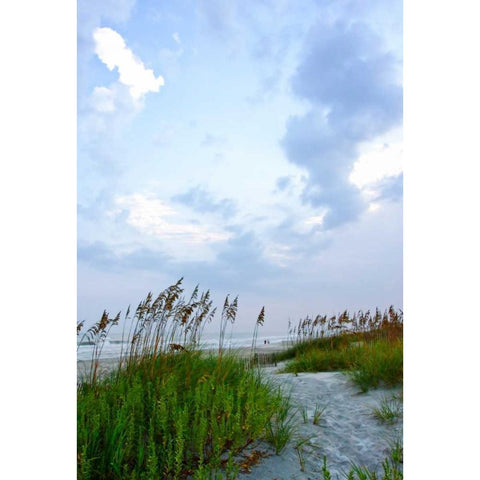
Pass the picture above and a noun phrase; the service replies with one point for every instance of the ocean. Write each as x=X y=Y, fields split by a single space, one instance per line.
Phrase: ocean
x=113 y=345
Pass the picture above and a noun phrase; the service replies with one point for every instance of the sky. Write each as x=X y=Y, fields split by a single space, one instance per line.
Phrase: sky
x=253 y=148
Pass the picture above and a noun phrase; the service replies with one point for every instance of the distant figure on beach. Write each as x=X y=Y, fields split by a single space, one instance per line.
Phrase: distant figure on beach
x=264 y=342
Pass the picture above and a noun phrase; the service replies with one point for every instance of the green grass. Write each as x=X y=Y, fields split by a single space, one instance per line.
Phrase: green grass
x=169 y=416
x=370 y=364
x=379 y=363
x=390 y=470
x=315 y=359
x=169 y=410
x=330 y=343
x=389 y=410
x=317 y=414
x=281 y=426
x=299 y=444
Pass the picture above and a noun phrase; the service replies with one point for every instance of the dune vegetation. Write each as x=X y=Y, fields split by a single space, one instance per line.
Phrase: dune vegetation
x=369 y=347
x=170 y=410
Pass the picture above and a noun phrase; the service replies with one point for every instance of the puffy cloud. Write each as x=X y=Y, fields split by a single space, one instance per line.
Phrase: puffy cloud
x=350 y=81
x=348 y=71
x=114 y=53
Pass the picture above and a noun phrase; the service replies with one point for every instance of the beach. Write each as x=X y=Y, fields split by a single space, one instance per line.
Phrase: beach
x=347 y=431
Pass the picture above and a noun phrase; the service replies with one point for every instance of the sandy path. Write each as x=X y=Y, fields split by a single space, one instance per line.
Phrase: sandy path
x=346 y=432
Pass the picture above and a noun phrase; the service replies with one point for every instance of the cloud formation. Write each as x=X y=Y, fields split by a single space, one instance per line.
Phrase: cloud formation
x=238 y=259
x=151 y=216
x=112 y=50
x=350 y=81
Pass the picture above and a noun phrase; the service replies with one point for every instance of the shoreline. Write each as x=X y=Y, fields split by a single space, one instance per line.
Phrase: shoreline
x=108 y=364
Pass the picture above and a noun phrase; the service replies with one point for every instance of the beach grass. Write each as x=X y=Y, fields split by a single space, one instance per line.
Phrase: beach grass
x=282 y=425
x=368 y=347
x=378 y=363
x=170 y=410
x=390 y=469
x=176 y=414
x=389 y=409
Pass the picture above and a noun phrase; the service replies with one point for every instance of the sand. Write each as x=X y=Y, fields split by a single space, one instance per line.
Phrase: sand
x=347 y=431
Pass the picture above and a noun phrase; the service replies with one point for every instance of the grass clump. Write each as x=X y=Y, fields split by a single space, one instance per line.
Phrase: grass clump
x=317 y=414
x=169 y=416
x=368 y=347
x=389 y=410
x=379 y=362
x=299 y=445
x=170 y=410
x=281 y=426
x=390 y=470
x=315 y=359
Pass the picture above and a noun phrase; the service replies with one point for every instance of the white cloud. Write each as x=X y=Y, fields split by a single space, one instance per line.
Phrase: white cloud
x=176 y=37
x=315 y=220
x=113 y=52
x=150 y=216
x=381 y=161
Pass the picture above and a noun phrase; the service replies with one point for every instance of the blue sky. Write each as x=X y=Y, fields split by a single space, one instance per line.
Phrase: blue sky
x=254 y=148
